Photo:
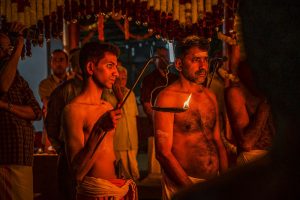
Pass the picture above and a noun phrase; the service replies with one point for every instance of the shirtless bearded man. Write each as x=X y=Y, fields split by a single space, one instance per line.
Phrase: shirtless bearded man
x=86 y=119
x=188 y=144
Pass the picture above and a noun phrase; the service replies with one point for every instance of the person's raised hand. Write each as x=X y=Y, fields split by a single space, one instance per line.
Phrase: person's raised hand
x=109 y=120
x=17 y=30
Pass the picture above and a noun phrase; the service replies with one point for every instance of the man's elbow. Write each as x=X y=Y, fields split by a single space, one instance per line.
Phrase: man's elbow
x=3 y=88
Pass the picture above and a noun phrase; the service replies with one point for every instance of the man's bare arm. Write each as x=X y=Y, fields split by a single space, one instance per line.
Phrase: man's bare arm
x=163 y=124
x=217 y=137
x=247 y=131
x=22 y=111
x=80 y=154
x=8 y=71
x=148 y=109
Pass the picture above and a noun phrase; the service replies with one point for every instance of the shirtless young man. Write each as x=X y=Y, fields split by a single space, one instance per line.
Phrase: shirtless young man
x=86 y=119
x=188 y=144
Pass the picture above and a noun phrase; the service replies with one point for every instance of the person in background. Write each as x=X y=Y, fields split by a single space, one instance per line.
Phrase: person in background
x=188 y=144
x=18 y=108
x=59 y=65
x=59 y=98
x=152 y=84
x=249 y=114
x=126 y=136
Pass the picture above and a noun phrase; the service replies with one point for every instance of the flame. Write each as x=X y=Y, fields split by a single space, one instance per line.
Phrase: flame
x=187 y=102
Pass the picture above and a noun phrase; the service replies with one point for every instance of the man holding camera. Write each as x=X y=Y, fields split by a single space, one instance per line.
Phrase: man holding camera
x=18 y=107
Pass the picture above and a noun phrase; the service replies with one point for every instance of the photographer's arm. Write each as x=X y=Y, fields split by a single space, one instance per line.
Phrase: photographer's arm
x=8 y=71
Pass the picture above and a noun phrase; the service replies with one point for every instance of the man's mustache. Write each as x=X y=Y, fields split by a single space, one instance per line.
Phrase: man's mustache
x=201 y=71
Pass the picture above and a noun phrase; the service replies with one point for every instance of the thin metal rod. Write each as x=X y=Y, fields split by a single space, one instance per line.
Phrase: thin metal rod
x=213 y=74
x=127 y=95
x=138 y=78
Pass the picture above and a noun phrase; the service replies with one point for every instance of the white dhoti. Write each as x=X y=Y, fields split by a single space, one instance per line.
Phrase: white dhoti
x=16 y=182
x=92 y=187
x=249 y=156
x=169 y=188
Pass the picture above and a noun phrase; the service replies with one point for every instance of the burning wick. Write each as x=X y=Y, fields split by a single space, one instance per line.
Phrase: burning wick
x=186 y=103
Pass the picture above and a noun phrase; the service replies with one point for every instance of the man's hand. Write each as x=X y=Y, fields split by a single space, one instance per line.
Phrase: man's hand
x=17 y=29
x=108 y=121
x=263 y=107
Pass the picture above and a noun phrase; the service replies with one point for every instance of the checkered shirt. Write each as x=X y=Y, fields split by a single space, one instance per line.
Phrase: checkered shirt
x=17 y=134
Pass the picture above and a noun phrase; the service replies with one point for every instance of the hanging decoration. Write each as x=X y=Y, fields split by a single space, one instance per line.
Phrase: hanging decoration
x=167 y=19
x=101 y=27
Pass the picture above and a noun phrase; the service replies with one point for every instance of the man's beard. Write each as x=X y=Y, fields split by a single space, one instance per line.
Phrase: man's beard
x=99 y=83
x=195 y=78
x=60 y=71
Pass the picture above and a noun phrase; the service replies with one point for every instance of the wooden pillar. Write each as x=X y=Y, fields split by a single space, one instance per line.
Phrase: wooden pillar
x=70 y=35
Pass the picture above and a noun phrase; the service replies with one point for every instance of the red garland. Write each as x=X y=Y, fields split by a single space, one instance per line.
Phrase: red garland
x=28 y=46
x=81 y=8
x=123 y=7
x=109 y=5
x=60 y=20
x=88 y=6
x=101 y=27
x=96 y=6
x=67 y=10
x=103 y=8
x=40 y=25
x=137 y=37
x=170 y=26
x=74 y=10
x=117 y=6
x=144 y=16
x=47 y=27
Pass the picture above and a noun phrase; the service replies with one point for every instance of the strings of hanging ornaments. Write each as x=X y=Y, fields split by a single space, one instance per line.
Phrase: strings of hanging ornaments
x=42 y=18
x=167 y=19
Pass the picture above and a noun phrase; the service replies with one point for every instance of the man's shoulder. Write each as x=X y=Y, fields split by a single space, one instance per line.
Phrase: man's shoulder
x=46 y=81
x=234 y=92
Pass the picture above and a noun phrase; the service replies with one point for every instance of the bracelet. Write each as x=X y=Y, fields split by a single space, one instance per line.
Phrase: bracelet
x=9 y=106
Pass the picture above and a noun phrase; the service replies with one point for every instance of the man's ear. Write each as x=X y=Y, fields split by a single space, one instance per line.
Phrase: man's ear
x=178 y=64
x=90 y=68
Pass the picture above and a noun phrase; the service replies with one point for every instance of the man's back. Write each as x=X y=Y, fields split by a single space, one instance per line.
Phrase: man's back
x=245 y=110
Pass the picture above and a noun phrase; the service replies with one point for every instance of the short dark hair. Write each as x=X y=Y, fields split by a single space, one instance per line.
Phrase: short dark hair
x=190 y=41
x=60 y=50
x=94 y=52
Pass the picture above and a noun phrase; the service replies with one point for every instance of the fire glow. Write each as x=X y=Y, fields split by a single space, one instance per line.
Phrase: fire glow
x=186 y=104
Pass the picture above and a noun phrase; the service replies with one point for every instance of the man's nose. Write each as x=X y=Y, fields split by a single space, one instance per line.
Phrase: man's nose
x=115 y=72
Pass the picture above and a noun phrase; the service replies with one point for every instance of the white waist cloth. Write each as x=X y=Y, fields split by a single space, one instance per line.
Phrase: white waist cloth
x=248 y=156
x=96 y=187
x=169 y=188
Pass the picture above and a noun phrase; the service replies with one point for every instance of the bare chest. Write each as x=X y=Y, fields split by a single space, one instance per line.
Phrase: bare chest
x=201 y=115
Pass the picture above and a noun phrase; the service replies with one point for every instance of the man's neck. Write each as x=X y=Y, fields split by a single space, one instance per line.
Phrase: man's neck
x=61 y=76
x=92 y=92
x=191 y=86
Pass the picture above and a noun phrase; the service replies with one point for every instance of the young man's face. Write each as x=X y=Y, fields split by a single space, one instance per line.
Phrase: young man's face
x=105 y=72
x=59 y=63
x=195 y=65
